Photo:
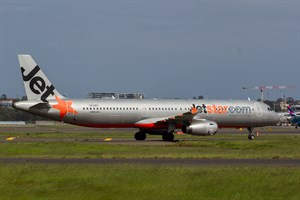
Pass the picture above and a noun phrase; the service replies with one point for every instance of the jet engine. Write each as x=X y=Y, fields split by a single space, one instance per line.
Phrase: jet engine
x=201 y=128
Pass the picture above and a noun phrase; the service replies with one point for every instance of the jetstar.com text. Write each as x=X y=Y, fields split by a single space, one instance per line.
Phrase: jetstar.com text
x=217 y=109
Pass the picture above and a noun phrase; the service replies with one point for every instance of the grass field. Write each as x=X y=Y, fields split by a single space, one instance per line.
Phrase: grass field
x=136 y=181
x=91 y=145
x=40 y=181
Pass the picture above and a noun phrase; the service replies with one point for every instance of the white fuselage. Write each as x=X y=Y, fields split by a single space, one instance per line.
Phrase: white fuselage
x=120 y=113
x=153 y=116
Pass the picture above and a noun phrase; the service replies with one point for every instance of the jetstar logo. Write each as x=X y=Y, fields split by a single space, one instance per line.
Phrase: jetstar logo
x=64 y=107
x=37 y=84
x=194 y=110
x=218 y=109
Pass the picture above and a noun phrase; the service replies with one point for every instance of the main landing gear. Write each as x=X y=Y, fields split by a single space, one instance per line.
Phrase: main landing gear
x=168 y=136
x=251 y=135
x=140 y=135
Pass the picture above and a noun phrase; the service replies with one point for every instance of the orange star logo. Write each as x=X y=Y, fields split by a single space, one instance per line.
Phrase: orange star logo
x=194 y=110
x=64 y=107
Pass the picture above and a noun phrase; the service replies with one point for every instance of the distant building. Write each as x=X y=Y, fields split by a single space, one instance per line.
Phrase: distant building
x=131 y=96
x=101 y=95
x=111 y=95
x=6 y=103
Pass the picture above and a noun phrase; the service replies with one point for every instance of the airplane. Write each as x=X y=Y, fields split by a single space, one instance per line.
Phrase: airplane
x=150 y=116
x=295 y=119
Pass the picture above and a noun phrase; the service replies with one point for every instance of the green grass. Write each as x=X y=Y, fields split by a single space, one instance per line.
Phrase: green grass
x=135 y=181
x=225 y=146
x=81 y=181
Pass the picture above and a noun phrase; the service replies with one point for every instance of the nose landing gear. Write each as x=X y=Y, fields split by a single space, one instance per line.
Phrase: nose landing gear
x=251 y=135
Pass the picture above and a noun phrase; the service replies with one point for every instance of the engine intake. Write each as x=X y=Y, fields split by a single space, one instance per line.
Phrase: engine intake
x=201 y=128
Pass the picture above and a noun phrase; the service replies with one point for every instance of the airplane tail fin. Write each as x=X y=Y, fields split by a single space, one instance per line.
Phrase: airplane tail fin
x=291 y=111
x=37 y=85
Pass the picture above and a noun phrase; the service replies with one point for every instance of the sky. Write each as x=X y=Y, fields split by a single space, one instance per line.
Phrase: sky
x=161 y=48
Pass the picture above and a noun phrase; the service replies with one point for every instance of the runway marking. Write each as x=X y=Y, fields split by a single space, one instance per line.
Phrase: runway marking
x=10 y=138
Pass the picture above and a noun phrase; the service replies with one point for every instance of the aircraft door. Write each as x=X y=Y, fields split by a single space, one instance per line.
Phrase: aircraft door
x=144 y=110
x=258 y=110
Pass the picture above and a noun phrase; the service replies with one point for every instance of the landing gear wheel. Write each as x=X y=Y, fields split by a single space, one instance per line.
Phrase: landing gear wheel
x=168 y=137
x=251 y=137
x=140 y=136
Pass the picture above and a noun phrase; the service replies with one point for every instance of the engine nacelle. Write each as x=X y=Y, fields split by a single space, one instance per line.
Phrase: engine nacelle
x=201 y=128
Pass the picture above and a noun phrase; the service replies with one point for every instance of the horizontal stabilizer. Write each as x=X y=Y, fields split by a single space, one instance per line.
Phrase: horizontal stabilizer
x=42 y=105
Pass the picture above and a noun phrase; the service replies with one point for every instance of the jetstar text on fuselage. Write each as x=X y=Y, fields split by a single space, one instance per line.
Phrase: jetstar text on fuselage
x=218 y=109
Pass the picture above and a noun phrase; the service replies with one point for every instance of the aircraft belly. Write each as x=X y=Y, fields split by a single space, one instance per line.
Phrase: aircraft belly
x=102 y=118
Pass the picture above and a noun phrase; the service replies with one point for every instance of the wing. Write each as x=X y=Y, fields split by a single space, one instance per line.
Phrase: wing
x=184 y=118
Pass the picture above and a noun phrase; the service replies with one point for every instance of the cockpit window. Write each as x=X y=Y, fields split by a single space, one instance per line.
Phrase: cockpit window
x=269 y=109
